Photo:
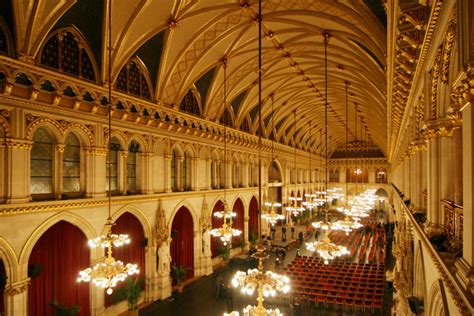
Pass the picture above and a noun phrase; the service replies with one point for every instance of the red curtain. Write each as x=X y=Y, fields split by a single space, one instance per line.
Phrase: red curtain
x=134 y=252
x=216 y=223
x=3 y=276
x=182 y=244
x=61 y=253
x=238 y=222
x=253 y=217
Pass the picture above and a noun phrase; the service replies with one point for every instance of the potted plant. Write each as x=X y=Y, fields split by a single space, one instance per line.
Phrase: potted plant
x=225 y=253
x=61 y=310
x=178 y=274
x=133 y=290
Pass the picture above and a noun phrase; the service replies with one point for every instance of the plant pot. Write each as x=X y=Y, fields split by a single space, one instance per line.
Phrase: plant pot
x=133 y=313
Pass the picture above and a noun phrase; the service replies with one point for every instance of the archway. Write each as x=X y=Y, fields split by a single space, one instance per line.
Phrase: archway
x=134 y=252
x=216 y=223
x=182 y=244
x=3 y=281
x=238 y=221
x=53 y=267
x=253 y=218
x=274 y=173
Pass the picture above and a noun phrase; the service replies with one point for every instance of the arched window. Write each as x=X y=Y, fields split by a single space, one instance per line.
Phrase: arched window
x=190 y=104
x=174 y=169
x=72 y=164
x=112 y=169
x=66 y=52
x=132 y=167
x=226 y=118
x=42 y=154
x=133 y=79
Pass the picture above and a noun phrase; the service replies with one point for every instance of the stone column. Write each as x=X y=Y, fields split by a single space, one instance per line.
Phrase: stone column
x=209 y=174
x=193 y=173
x=122 y=182
x=406 y=177
x=458 y=174
x=217 y=175
x=58 y=171
x=245 y=175
x=446 y=173
x=466 y=264
x=433 y=216
x=228 y=170
x=18 y=153
x=372 y=175
x=95 y=171
x=16 y=298
x=168 y=173
x=416 y=175
x=179 y=175
x=146 y=173
x=152 y=292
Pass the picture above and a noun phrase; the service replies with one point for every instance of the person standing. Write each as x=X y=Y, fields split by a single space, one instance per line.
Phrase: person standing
x=283 y=233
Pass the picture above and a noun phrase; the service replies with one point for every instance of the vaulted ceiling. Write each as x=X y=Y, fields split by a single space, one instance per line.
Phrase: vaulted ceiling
x=182 y=43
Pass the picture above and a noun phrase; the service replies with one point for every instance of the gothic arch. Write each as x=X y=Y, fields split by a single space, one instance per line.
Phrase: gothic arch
x=142 y=218
x=190 y=209
x=419 y=277
x=10 y=260
x=435 y=300
x=52 y=126
x=71 y=218
x=140 y=140
x=82 y=132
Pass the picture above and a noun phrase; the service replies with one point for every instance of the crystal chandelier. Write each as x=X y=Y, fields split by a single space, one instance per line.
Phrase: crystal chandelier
x=265 y=283
x=225 y=232
x=272 y=216
x=327 y=249
x=348 y=224
x=295 y=209
x=108 y=272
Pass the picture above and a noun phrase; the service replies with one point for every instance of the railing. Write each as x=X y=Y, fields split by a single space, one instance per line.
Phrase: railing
x=453 y=220
x=457 y=293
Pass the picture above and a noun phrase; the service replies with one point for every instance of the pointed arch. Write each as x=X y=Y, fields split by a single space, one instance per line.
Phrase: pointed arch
x=238 y=222
x=67 y=50
x=191 y=102
x=216 y=222
x=10 y=261
x=436 y=300
x=135 y=211
x=71 y=218
x=134 y=78
x=253 y=218
x=182 y=243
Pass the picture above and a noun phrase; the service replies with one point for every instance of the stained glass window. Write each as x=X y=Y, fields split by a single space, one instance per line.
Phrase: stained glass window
x=245 y=127
x=190 y=104
x=132 y=79
x=132 y=167
x=42 y=154
x=64 y=52
x=72 y=164
x=112 y=169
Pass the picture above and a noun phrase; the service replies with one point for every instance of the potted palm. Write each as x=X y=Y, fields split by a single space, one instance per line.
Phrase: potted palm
x=133 y=290
x=61 y=310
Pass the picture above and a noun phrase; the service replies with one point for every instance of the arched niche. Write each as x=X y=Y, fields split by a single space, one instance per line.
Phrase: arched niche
x=182 y=243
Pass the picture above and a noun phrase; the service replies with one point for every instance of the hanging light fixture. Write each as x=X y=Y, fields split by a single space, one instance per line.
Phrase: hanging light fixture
x=310 y=202
x=226 y=231
x=326 y=248
x=347 y=224
x=265 y=283
x=108 y=272
x=293 y=201
x=272 y=216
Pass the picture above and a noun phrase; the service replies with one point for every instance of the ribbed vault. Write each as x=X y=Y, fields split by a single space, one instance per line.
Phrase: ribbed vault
x=198 y=34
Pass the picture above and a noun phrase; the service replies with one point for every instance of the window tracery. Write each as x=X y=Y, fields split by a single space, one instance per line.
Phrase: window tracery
x=190 y=104
x=133 y=79
x=66 y=51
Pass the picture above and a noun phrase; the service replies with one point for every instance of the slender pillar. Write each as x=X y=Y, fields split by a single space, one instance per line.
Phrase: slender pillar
x=433 y=217
x=16 y=298
x=95 y=171
x=59 y=171
x=179 y=175
x=123 y=172
x=209 y=180
x=458 y=174
x=168 y=173
x=446 y=173
x=194 y=182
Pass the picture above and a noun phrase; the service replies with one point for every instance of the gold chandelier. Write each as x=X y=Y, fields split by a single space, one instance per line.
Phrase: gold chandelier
x=225 y=232
x=265 y=283
x=327 y=249
x=108 y=272
x=294 y=208
x=272 y=216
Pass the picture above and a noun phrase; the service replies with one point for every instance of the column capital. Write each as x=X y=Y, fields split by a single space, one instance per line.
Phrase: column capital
x=168 y=157
x=18 y=144
x=95 y=151
x=17 y=287
x=124 y=153
x=60 y=147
